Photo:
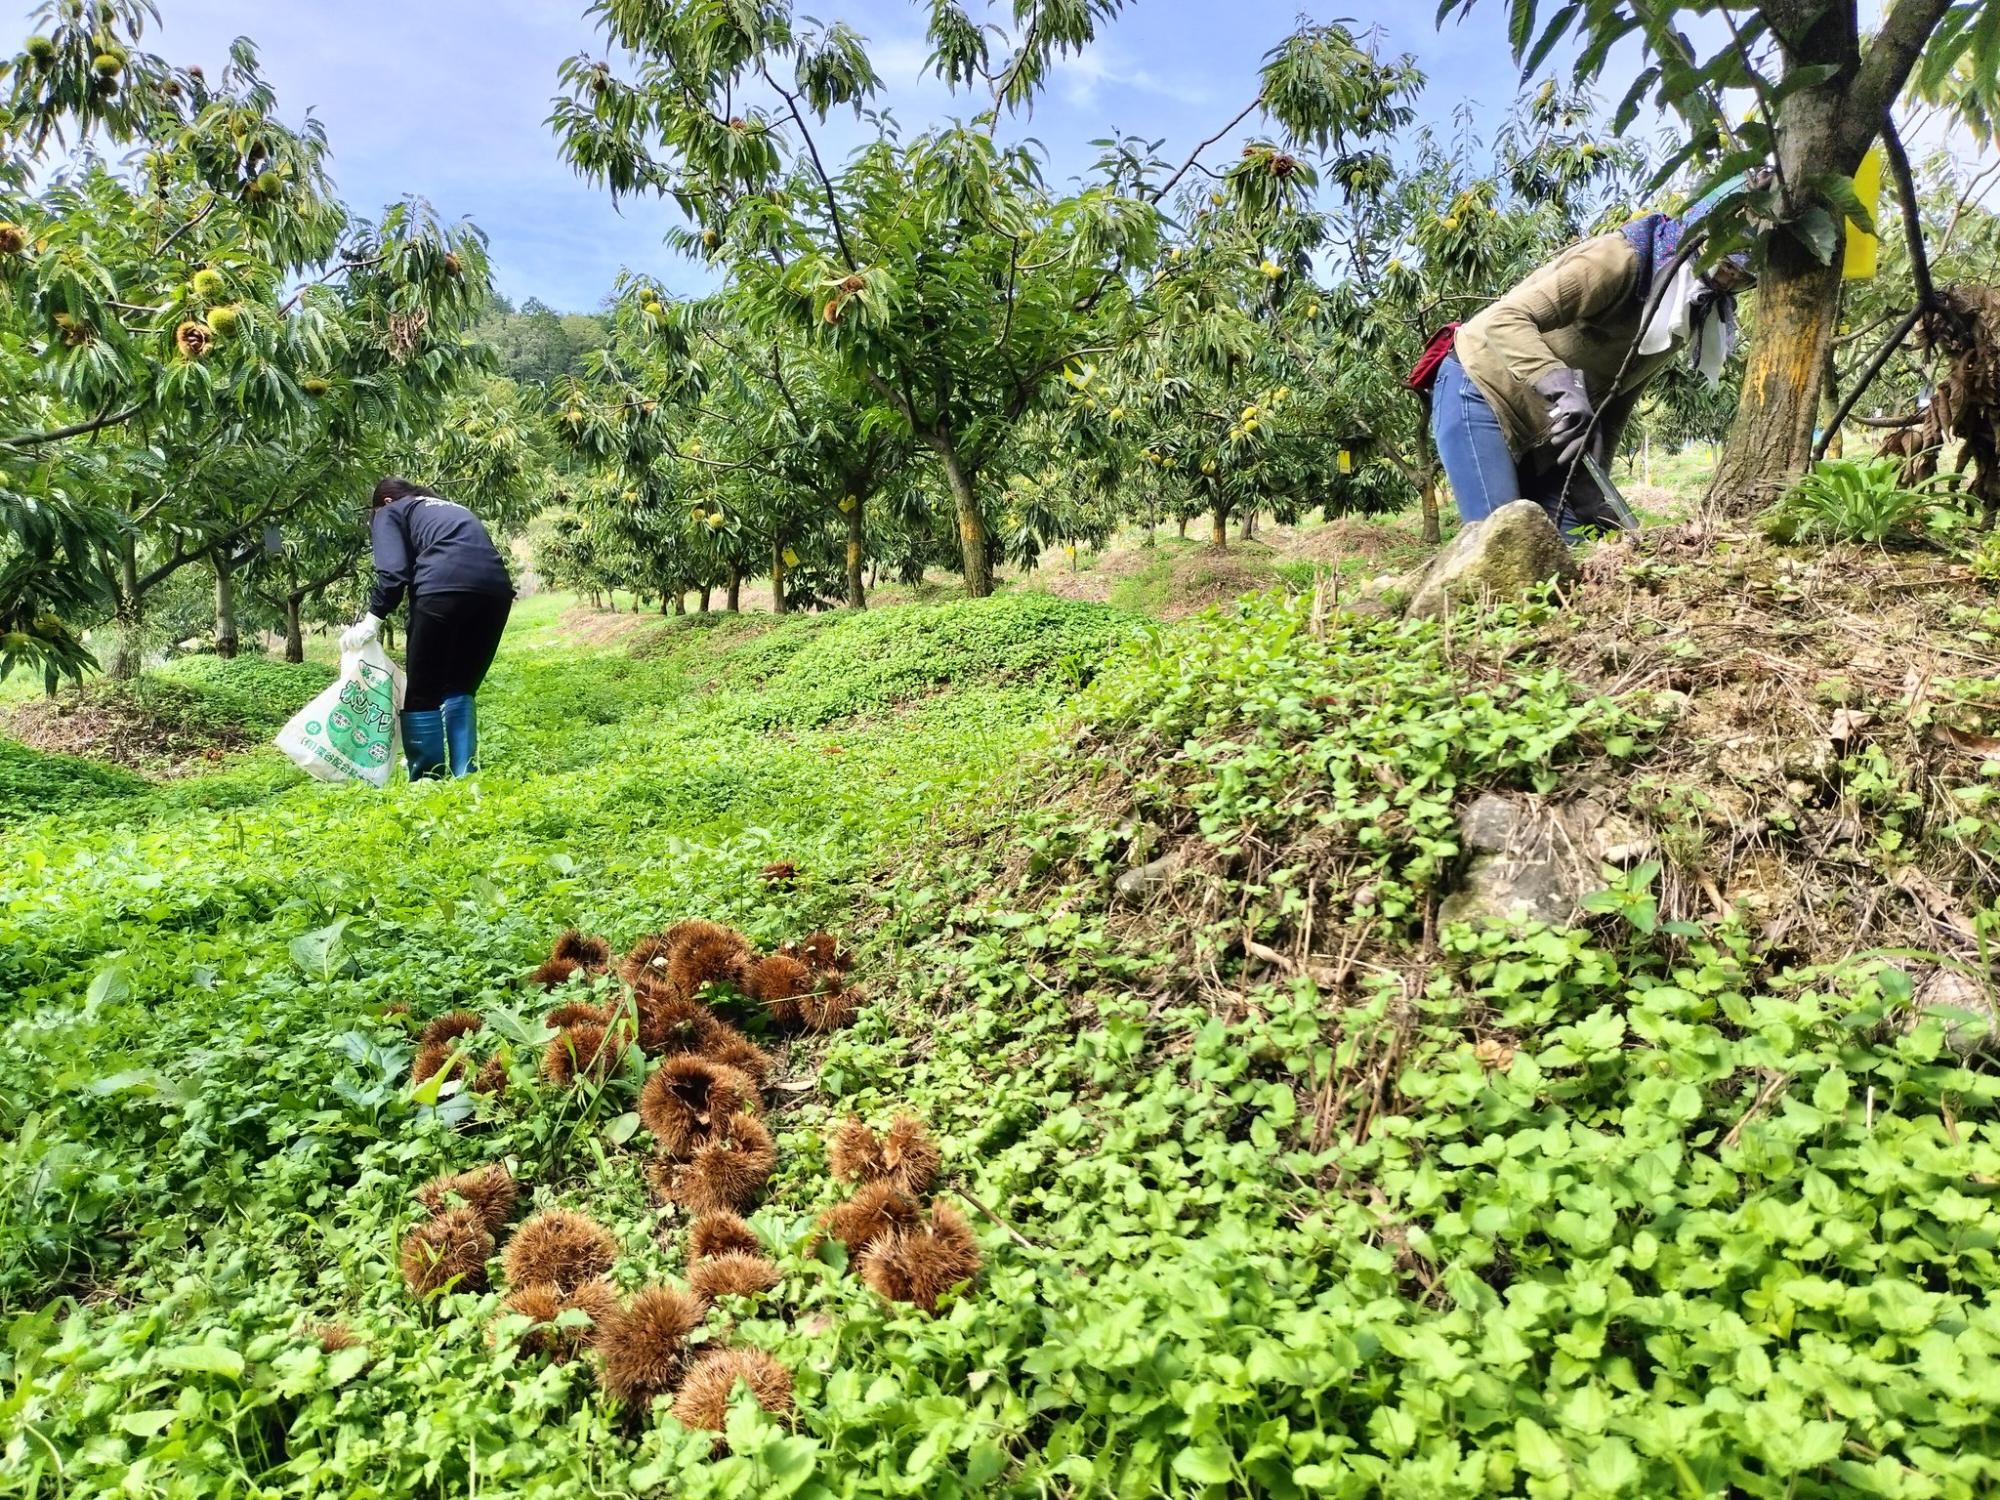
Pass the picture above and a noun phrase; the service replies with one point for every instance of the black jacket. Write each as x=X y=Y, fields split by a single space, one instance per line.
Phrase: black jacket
x=425 y=545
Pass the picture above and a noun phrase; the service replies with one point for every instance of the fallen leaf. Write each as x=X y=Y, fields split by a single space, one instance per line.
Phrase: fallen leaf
x=1966 y=740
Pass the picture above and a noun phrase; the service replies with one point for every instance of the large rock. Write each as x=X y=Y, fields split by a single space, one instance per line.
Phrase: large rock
x=1533 y=858
x=1501 y=557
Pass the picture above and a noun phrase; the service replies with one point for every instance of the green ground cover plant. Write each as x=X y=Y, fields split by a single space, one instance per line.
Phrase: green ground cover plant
x=1632 y=1209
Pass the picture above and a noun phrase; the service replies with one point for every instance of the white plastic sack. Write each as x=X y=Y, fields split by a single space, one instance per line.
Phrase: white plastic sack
x=349 y=732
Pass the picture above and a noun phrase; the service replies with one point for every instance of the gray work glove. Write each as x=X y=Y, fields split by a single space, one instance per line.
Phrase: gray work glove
x=1570 y=412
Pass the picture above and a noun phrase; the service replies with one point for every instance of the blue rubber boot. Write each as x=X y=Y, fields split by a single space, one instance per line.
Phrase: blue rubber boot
x=423 y=742
x=461 y=728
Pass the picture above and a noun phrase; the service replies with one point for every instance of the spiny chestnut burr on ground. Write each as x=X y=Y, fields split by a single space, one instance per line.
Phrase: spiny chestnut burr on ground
x=829 y=1007
x=689 y=1098
x=780 y=874
x=732 y=1275
x=669 y=1025
x=921 y=1263
x=334 y=1337
x=585 y=1052
x=903 y=1154
x=721 y=1233
x=733 y=1049
x=643 y=1349
x=446 y=1250
x=576 y=1013
x=703 y=1401
x=489 y=1191
x=492 y=1078
x=591 y=953
x=704 y=953
x=450 y=1027
x=776 y=982
x=573 y=954
x=559 y=1248
x=545 y=1304
x=434 y=1058
x=877 y=1210
x=726 y=1172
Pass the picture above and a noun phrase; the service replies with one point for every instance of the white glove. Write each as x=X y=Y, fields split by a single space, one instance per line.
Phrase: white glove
x=360 y=633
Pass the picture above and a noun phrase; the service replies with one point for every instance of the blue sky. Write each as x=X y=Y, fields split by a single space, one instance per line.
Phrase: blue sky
x=447 y=99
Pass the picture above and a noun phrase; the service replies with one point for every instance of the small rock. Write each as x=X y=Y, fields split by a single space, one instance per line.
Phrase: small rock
x=1490 y=824
x=1136 y=886
x=1966 y=1008
x=1502 y=557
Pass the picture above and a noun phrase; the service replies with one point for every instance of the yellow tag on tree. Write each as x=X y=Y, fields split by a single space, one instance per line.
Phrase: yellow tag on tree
x=1863 y=248
x=791 y=558
x=1345 y=462
x=847 y=505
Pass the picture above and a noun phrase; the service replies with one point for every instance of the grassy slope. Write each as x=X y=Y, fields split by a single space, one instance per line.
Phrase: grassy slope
x=1497 y=1217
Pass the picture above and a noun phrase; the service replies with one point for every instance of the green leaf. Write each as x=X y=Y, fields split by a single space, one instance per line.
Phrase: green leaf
x=1818 y=232
x=203 y=1359
x=346 y=1364
x=314 y=952
x=1557 y=29
x=1207 y=1464
x=147 y=1424
x=1520 y=26
x=622 y=1129
x=110 y=985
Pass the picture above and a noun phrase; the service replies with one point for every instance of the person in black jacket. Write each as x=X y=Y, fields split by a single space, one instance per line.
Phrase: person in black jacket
x=438 y=552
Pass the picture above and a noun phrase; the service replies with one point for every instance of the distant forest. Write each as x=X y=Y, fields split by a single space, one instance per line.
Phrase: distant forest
x=535 y=342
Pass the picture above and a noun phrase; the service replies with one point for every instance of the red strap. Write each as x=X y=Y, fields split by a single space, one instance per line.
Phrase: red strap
x=1424 y=376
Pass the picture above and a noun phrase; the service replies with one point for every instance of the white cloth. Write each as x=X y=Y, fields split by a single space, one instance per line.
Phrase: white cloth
x=1690 y=308
x=360 y=633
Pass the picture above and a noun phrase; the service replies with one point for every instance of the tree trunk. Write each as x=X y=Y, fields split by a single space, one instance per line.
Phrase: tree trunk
x=1249 y=528
x=295 y=635
x=706 y=590
x=978 y=563
x=1433 y=530
x=225 y=605
x=125 y=655
x=732 y=593
x=680 y=601
x=665 y=607
x=1771 y=438
x=857 y=593
x=1826 y=127
x=1218 y=527
x=1180 y=526
x=778 y=575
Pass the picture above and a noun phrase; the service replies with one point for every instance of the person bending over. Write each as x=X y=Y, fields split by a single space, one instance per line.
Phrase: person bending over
x=438 y=552
x=1542 y=376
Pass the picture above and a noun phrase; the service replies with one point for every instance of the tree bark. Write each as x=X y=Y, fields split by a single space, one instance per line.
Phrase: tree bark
x=295 y=635
x=977 y=562
x=125 y=656
x=1771 y=438
x=732 y=593
x=225 y=605
x=1181 y=525
x=1824 y=128
x=680 y=601
x=1433 y=526
x=706 y=590
x=857 y=593
x=1218 y=527
x=778 y=575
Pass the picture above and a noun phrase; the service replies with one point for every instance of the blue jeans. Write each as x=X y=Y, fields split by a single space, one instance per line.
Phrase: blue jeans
x=1471 y=446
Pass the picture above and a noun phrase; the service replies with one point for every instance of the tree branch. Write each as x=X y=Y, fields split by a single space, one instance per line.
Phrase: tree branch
x=1867 y=377
x=206 y=209
x=95 y=424
x=1906 y=194
x=819 y=167
x=1182 y=171
x=1887 y=66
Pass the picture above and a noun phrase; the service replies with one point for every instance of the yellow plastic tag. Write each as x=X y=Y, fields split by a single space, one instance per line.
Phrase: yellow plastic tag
x=847 y=505
x=1863 y=249
x=791 y=558
x=1345 y=463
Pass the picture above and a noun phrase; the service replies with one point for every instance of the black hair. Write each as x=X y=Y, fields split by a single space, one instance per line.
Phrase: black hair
x=396 y=487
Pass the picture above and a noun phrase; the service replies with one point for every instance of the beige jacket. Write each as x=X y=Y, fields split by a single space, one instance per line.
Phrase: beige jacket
x=1579 y=311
